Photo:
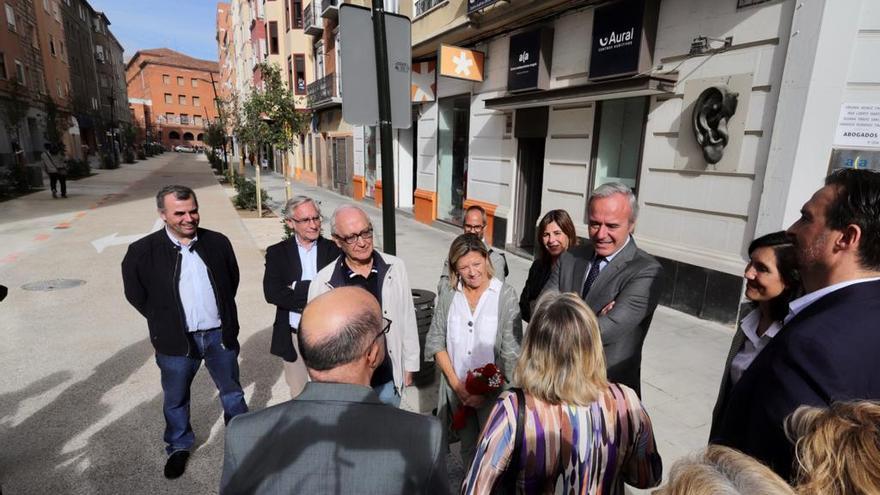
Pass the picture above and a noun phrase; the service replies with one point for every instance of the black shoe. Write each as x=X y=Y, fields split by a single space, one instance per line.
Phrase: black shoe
x=176 y=464
x=54 y=195
x=64 y=196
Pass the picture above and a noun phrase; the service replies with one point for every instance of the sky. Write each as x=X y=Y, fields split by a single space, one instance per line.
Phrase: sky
x=187 y=26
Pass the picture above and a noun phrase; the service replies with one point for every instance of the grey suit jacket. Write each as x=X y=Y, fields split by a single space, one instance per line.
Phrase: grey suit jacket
x=630 y=281
x=334 y=438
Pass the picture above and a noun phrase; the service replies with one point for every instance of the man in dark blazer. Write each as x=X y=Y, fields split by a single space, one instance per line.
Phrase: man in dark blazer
x=827 y=350
x=336 y=436
x=290 y=266
x=616 y=279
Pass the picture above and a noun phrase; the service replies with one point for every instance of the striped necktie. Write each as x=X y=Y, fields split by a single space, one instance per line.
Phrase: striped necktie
x=592 y=275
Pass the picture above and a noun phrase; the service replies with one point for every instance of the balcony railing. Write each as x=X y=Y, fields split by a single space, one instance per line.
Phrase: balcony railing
x=329 y=8
x=423 y=6
x=323 y=92
x=313 y=23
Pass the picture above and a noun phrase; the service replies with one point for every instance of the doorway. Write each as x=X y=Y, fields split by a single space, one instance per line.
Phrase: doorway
x=531 y=133
x=452 y=157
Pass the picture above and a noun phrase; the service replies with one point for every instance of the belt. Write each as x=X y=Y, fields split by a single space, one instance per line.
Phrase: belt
x=206 y=330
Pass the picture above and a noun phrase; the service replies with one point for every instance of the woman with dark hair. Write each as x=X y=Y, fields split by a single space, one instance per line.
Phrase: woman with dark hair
x=555 y=235
x=772 y=281
x=476 y=322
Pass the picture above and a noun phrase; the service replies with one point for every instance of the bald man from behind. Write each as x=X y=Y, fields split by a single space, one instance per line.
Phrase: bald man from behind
x=336 y=436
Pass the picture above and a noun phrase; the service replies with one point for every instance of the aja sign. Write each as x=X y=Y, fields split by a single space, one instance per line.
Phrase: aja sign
x=529 y=60
x=617 y=39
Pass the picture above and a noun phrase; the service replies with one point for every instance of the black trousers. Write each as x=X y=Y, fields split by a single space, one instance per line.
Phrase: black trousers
x=54 y=179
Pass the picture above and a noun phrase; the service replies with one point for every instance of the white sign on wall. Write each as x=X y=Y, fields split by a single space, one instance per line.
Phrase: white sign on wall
x=858 y=125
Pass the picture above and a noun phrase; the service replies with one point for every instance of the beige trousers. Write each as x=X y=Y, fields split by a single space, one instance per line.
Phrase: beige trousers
x=295 y=373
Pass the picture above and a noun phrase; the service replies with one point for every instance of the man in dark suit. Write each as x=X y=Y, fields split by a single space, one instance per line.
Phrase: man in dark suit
x=616 y=279
x=336 y=436
x=827 y=348
x=290 y=267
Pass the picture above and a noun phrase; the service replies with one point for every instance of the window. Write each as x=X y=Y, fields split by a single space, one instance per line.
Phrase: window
x=290 y=82
x=180 y=80
x=168 y=98
x=188 y=136
x=59 y=88
x=169 y=117
x=299 y=71
x=196 y=101
x=46 y=5
x=61 y=50
x=181 y=100
x=197 y=120
x=166 y=79
x=94 y=103
x=19 y=73
x=32 y=34
x=287 y=15
x=273 y=37
x=82 y=12
x=52 y=45
x=184 y=119
x=41 y=81
x=3 y=74
x=194 y=82
x=103 y=81
x=99 y=53
x=10 y=17
x=298 y=14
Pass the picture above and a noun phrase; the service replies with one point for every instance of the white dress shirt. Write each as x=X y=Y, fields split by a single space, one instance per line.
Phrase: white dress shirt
x=196 y=292
x=604 y=262
x=753 y=344
x=470 y=337
x=308 y=260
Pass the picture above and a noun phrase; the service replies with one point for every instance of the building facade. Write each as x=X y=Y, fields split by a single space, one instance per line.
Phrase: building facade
x=171 y=95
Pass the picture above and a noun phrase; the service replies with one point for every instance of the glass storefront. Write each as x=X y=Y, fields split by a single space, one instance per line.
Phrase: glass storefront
x=371 y=152
x=620 y=131
x=452 y=156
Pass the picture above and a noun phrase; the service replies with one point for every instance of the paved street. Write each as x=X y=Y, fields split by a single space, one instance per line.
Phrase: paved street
x=80 y=405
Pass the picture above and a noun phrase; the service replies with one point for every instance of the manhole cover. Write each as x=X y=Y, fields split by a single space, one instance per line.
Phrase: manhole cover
x=55 y=284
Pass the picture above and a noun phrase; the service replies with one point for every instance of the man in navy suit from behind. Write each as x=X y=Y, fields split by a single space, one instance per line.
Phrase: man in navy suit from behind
x=828 y=348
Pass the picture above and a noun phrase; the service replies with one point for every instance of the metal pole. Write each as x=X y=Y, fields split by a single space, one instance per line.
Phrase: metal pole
x=389 y=244
x=258 y=165
x=219 y=105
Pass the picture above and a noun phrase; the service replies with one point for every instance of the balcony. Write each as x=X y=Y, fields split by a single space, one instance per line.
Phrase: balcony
x=313 y=24
x=423 y=6
x=323 y=93
x=329 y=8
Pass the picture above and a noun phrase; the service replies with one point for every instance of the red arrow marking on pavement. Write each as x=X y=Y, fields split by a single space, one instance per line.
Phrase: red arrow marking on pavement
x=42 y=237
x=64 y=225
x=10 y=258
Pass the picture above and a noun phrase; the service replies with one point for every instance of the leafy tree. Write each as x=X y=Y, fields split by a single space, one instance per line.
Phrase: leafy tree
x=215 y=134
x=15 y=108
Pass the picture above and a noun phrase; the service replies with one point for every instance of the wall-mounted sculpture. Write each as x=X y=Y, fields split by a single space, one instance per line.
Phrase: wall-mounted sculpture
x=712 y=112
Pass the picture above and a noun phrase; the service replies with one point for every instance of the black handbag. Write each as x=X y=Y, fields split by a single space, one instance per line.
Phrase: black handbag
x=508 y=479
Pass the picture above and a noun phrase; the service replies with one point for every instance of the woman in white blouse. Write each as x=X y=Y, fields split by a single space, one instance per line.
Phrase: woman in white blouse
x=476 y=323
x=772 y=281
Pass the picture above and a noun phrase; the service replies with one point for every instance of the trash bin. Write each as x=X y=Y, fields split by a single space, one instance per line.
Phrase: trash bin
x=423 y=300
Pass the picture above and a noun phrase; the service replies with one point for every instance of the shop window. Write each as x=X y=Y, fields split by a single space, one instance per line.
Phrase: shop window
x=200 y=137
x=173 y=135
x=452 y=155
x=618 y=149
x=188 y=136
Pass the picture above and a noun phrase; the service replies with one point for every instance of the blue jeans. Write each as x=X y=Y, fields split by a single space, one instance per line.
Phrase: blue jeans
x=177 y=376
x=388 y=393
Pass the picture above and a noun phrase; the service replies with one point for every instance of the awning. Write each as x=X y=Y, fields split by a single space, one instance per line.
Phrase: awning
x=604 y=90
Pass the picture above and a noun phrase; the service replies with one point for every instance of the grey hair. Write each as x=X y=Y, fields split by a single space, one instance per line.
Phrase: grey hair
x=294 y=203
x=343 y=207
x=479 y=209
x=612 y=188
x=181 y=193
x=344 y=346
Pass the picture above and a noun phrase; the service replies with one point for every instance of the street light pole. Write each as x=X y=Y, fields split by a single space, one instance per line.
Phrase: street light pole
x=389 y=243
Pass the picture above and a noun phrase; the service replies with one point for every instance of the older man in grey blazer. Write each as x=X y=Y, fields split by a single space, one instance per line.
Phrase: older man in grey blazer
x=336 y=436
x=616 y=279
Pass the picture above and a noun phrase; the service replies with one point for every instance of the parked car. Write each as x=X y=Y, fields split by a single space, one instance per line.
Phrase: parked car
x=180 y=148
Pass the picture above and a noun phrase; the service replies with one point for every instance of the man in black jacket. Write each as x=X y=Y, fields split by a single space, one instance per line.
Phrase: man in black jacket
x=183 y=280
x=290 y=267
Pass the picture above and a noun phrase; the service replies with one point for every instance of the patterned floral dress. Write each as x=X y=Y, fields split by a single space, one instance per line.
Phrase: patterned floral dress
x=589 y=449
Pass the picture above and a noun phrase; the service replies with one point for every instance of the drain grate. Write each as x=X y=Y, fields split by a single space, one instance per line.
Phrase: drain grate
x=54 y=284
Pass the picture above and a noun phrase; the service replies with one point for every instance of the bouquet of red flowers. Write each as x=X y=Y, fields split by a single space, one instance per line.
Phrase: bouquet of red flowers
x=481 y=381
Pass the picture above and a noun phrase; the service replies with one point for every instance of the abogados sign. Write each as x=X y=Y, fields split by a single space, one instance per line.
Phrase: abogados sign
x=618 y=31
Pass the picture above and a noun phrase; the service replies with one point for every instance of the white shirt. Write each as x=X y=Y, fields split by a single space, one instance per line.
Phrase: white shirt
x=604 y=262
x=196 y=292
x=308 y=261
x=753 y=344
x=470 y=337
x=802 y=302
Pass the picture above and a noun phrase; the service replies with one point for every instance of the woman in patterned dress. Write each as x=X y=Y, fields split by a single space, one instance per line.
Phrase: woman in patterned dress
x=582 y=434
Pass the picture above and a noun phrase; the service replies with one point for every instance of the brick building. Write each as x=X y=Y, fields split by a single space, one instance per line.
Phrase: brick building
x=171 y=96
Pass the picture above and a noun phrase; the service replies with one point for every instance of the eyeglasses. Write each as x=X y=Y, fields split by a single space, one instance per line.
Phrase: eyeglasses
x=316 y=219
x=386 y=326
x=353 y=238
x=472 y=229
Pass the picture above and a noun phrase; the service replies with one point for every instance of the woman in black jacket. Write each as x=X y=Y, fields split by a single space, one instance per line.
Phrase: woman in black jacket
x=556 y=235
